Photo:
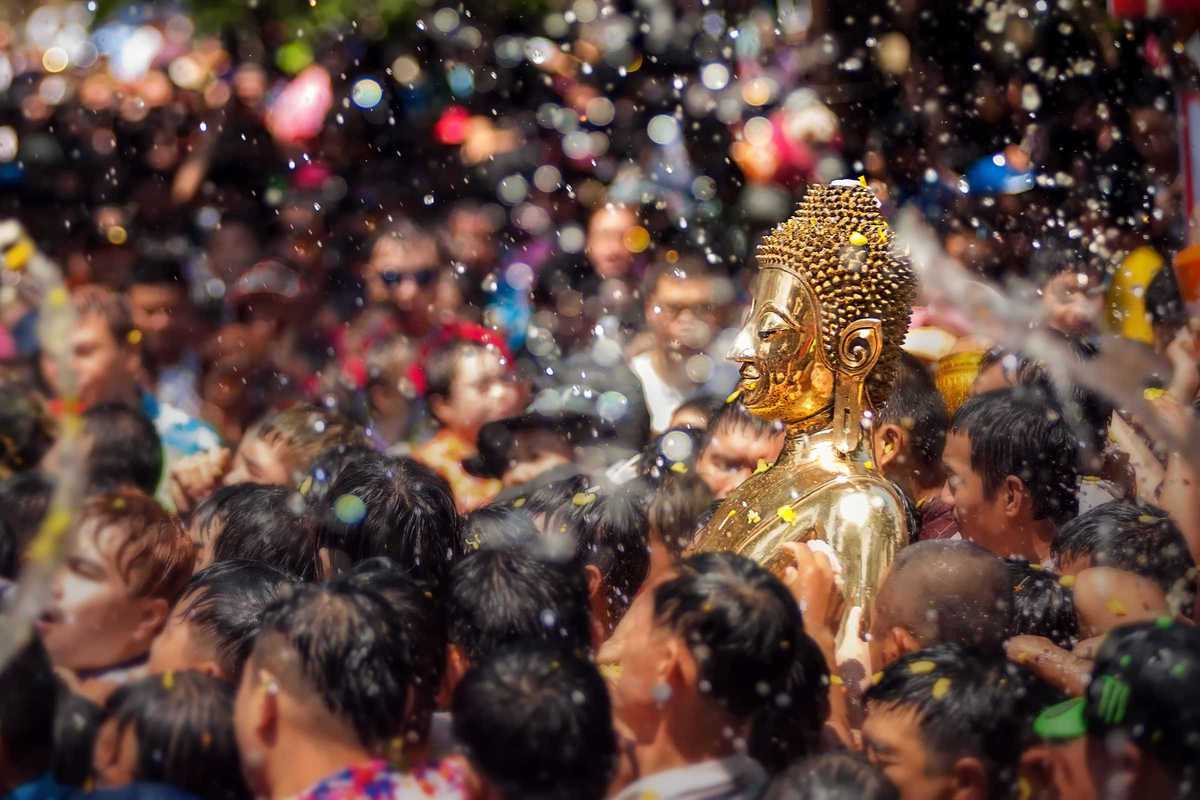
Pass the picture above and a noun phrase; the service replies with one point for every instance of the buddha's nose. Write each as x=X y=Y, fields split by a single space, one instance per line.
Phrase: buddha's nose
x=743 y=345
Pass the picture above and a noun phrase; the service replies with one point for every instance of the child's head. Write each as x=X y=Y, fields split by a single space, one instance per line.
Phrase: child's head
x=212 y=627
x=258 y=523
x=332 y=663
x=385 y=506
x=498 y=526
x=535 y=722
x=676 y=511
x=278 y=449
x=1134 y=537
x=736 y=444
x=28 y=696
x=469 y=384
x=910 y=429
x=127 y=564
x=326 y=468
x=1042 y=605
x=123 y=449
x=176 y=729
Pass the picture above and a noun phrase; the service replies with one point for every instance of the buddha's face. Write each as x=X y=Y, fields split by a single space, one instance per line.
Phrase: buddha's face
x=784 y=375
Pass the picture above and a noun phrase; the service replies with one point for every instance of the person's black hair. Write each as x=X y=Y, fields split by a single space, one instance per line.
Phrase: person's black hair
x=1015 y=432
x=347 y=646
x=789 y=727
x=609 y=531
x=76 y=720
x=550 y=497
x=1042 y=606
x=1163 y=301
x=157 y=270
x=741 y=625
x=833 y=776
x=123 y=449
x=536 y=723
x=734 y=416
x=326 y=468
x=226 y=601
x=916 y=405
x=677 y=509
x=497 y=596
x=183 y=722
x=1135 y=537
x=28 y=694
x=673 y=453
x=498 y=526
x=25 y=429
x=419 y=609
x=967 y=705
x=24 y=501
x=396 y=507
x=706 y=404
x=260 y=523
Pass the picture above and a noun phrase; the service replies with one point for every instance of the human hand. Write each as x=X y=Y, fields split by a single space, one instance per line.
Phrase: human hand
x=1184 y=354
x=195 y=477
x=811 y=579
x=1065 y=671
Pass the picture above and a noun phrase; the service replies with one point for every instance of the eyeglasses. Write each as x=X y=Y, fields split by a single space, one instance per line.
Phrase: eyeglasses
x=423 y=277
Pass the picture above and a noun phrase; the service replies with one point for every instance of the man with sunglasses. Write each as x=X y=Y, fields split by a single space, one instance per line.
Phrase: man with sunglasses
x=403 y=273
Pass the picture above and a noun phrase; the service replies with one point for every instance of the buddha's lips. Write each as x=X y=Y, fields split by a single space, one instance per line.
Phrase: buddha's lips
x=749 y=372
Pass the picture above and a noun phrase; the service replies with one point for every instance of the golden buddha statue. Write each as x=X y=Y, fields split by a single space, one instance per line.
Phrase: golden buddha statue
x=831 y=307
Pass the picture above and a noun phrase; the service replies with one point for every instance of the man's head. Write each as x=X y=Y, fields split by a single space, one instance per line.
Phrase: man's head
x=946 y=723
x=469 y=384
x=385 y=506
x=1136 y=731
x=910 y=428
x=720 y=646
x=1042 y=605
x=176 y=730
x=682 y=302
x=500 y=595
x=28 y=696
x=519 y=449
x=127 y=564
x=158 y=302
x=1010 y=463
x=212 y=627
x=736 y=445
x=471 y=235
x=1134 y=537
x=607 y=248
x=122 y=448
x=278 y=449
x=535 y=722
x=940 y=592
x=104 y=354
x=403 y=272
x=257 y=523
x=24 y=500
x=331 y=662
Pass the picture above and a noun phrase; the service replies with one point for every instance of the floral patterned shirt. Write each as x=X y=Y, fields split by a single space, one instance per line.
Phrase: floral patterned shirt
x=375 y=780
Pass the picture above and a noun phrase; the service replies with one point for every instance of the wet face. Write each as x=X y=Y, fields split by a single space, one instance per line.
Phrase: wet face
x=257 y=460
x=681 y=314
x=93 y=620
x=606 y=248
x=1072 y=303
x=732 y=455
x=783 y=375
x=980 y=518
x=404 y=274
x=105 y=370
x=892 y=741
x=160 y=311
x=483 y=390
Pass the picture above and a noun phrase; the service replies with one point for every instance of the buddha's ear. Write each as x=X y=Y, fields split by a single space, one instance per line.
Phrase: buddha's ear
x=858 y=349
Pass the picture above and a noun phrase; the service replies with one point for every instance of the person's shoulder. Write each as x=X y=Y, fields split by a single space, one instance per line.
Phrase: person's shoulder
x=449 y=778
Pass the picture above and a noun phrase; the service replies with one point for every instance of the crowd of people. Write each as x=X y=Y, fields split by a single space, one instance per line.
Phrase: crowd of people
x=362 y=394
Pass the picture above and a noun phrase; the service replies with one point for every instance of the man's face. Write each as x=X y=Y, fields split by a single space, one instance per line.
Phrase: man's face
x=892 y=741
x=606 y=247
x=91 y=618
x=732 y=455
x=681 y=314
x=980 y=519
x=783 y=376
x=634 y=698
x=257 y=460
x=105 y=370
x=161 y=312
x=483 y=390
x=181 y=646
x=1072 y=303
x=404 y=273
x=473 y=238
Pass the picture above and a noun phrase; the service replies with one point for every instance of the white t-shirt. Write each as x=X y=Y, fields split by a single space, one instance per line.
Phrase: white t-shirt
x=662 y=398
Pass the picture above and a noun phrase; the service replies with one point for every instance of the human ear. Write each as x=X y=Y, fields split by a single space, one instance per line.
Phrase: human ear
x=266 y=711
x=1015 y=495
x=1033 y=773
x=904 y=642
x=456 y=667
x=152 y=618
x=970 y=779
x=889 y=443
x=440 y=408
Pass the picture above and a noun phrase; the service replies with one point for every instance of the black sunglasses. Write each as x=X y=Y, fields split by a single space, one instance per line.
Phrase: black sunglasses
x=423 y=277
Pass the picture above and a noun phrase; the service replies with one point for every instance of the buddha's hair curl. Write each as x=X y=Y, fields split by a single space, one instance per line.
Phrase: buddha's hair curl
x=841 y=246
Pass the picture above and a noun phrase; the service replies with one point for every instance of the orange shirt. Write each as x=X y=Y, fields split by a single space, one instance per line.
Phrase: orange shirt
x=444 y=454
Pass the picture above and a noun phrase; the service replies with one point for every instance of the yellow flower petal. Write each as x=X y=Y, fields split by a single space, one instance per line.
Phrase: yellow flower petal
x=733 y=396
x=753 y=517
x=679 y=467
x=786 y=513
x=941 y=687
x=520 y=501
x=1066 y=581
x=168 y=680
x=583 y=498
x=1116 y=607
x=858 y=239
x=921 y=667
x=762 y=467
x=1153 y=393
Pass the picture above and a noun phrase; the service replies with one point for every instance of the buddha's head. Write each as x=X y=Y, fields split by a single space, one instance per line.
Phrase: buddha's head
x=831 y=308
